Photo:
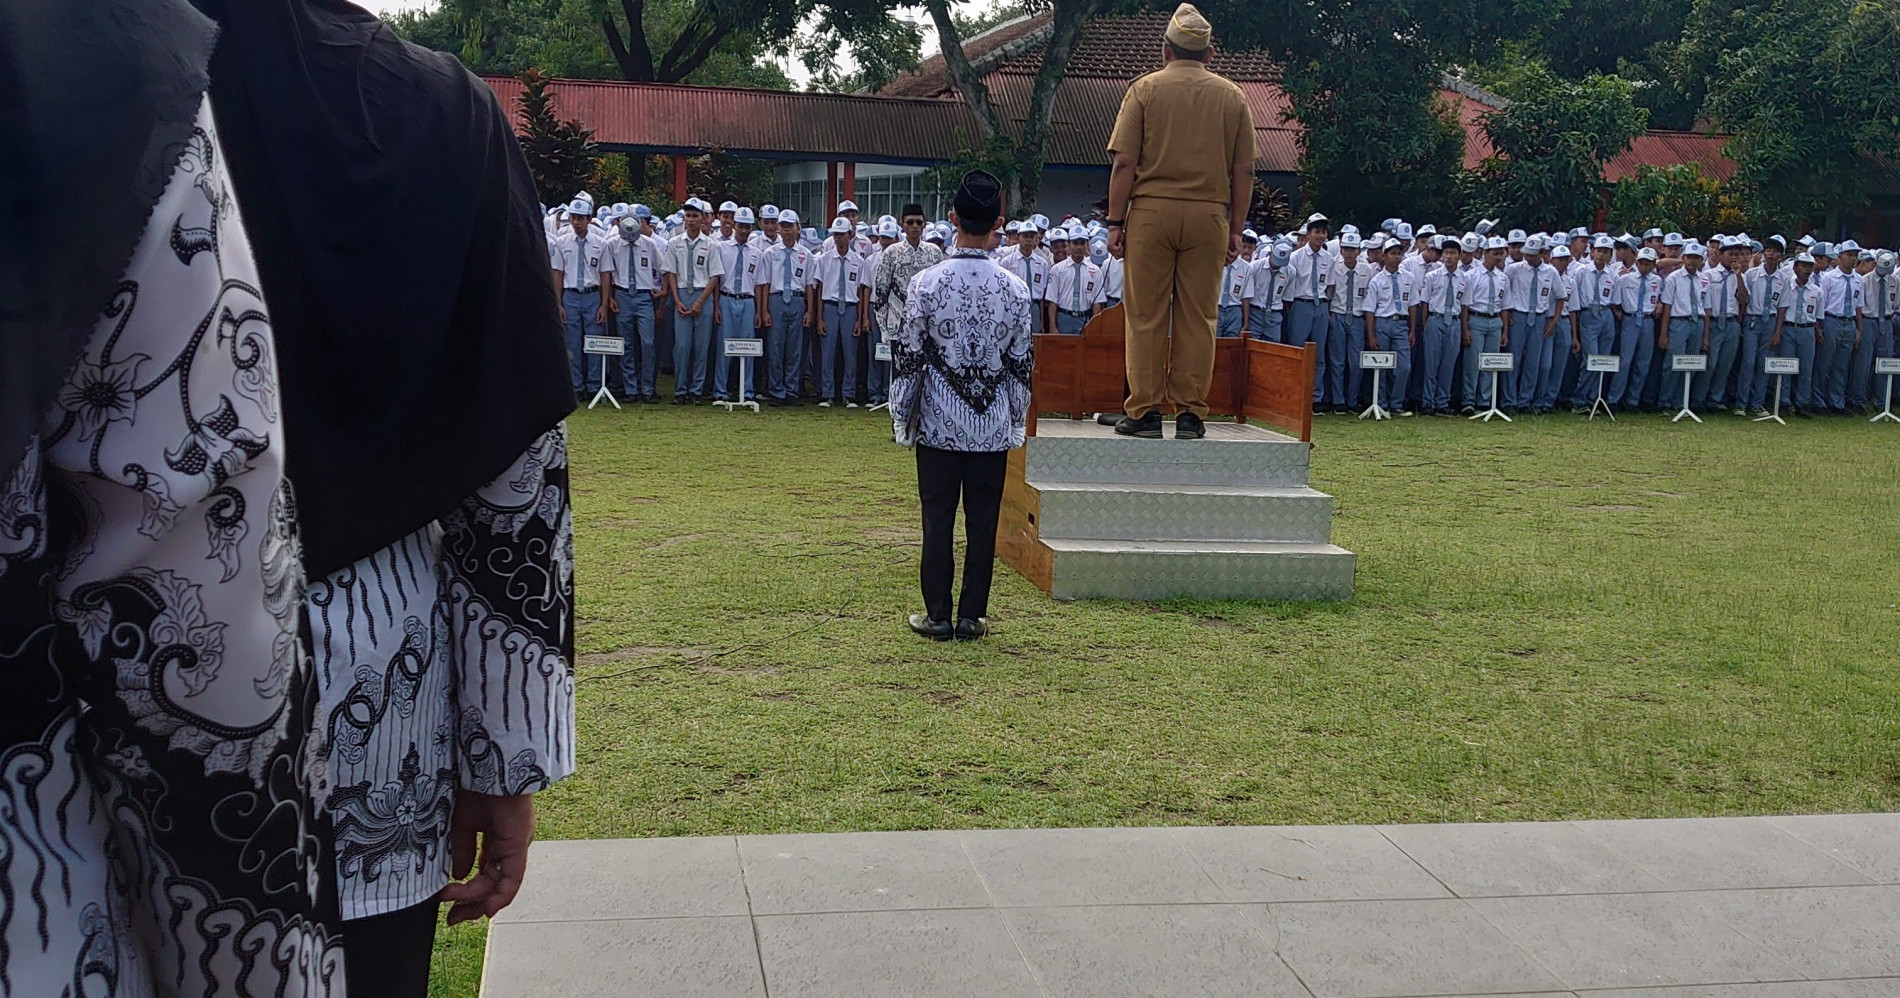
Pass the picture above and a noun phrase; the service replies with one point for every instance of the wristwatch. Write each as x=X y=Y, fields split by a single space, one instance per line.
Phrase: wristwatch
x=1114 y=224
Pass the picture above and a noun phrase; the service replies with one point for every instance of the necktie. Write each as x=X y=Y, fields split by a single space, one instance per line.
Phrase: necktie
x=1396 y=304
x=741 y=268
x=785 y=274
x=1497 y=304
x=1352 y=285
x=1880 y=310
x=1642 y=295
x=1315 y=257
x=841 y=281
x=1451 y=292
x=1721 y=298
x=1076 y=297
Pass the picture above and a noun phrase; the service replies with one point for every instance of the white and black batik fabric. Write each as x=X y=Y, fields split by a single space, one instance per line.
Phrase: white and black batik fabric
x=961 y=365
x=159 y=826
x=445 y=662
x=890 y=280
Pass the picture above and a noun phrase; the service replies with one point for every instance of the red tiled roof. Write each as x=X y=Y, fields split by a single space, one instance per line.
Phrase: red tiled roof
x=932 y=78
x=1667 y=148
x=771 y=124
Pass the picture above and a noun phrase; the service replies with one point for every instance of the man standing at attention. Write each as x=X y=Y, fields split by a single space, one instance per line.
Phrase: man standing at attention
x=1178 y=196
x=960 y=377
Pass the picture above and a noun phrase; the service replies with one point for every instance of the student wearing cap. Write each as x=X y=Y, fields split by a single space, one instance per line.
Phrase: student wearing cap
x=1075 y=289
x=1880 y=302
x=788 y=270
x=892 y=274
x=694 y=269
x=960 y=393
x=1487 y=300
x=1439 y=342
x=1563 y=342
x=1682 y=320
x=1535 y=296
x=849 y=210
x=1178 y=192
x=1028 y=264
x=840 y=314
x=1346 y=284
x=1726 y=296
x=1264 y=319
x=1639 y=295
x=876 y=372
x=735 y=311
x=1113 y=270
x=575 y=260
x=1766 y=282
x=1797 y=327
x=1308 y=318
x=1388 y=320
x=1594 y=286
x=1236 y=287
x=631 y=260
x=1840 y=328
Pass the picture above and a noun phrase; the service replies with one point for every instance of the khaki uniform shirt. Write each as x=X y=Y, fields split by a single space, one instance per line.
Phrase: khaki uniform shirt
x=1173 y=122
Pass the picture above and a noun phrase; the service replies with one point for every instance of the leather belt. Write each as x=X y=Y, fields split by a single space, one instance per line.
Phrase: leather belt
x=1070 y=311
x=1797 y=325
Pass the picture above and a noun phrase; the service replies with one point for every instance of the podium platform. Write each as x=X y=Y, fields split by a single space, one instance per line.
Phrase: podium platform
x=1088 y=514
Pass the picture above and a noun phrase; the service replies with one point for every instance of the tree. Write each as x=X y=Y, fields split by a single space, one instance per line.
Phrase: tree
x=1636 y=41
x=1676 y=197
x=1551 y=143
x=667 y=41
x=561 y=154
x=1023 y=152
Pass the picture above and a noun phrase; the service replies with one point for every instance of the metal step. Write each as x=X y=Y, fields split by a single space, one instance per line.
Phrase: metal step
x=1151 y=570
x=1232 y=454
x=1153 y=511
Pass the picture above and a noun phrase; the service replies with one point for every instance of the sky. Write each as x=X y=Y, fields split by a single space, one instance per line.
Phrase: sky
x=794 y=69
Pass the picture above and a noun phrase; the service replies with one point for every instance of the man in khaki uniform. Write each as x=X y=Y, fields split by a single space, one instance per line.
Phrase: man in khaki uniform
x=1178 y=194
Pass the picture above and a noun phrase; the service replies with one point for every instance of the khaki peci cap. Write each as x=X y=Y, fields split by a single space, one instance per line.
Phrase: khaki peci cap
x=1189 y=30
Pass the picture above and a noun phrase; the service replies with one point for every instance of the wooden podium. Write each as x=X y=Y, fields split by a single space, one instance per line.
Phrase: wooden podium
x=1088 y=514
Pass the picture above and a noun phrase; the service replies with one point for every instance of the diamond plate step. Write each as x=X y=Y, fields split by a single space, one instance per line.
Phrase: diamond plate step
x=1232 y=454
x=1151 y=570
x=1086 y=510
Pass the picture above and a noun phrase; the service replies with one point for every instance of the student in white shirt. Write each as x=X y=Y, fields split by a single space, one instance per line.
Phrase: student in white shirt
x=1264 y=319
x=1486 y=304
x=788 y=269
x=1766 y=282
x=1536 y=290
x=1440 y=338
x=575 y=259
x=735 y=311
x=1390 y=322
x=1112 y=271
x=1307 y=318
x=1236 y=288
x=840 y=313
x=1595 y=289
x=1797 y=323
x=1562 y=342
x=1725 y=296
x=1638 y=296
x=1880 y=301
x=1840 y=328
x=1346 y=283
x=631 y=259
x=1028 y=263
x=1075 y=289
x=693 y=272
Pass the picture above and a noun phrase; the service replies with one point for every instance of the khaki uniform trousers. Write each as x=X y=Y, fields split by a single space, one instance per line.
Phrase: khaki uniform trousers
x=1175 y=252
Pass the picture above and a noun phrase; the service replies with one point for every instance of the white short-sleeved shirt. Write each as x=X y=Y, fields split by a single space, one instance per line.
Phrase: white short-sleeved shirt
x=1801 y=304
x=693 y=262
x=1637 y=294
x=1236 y=283
x=1487 y=290
x=832 y=279
x=1444 y=290
x=1301 y=265
x=1074 y=286
x=1031 y=269
x=1682 y=292
x=1346 y=286
x=578 y=259
x=1391 y=294
x=1112 y=269
x=787 y=269
x=740 y=264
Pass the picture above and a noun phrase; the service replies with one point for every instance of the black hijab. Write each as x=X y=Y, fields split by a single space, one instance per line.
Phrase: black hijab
x=401 y=252
x=96 y=99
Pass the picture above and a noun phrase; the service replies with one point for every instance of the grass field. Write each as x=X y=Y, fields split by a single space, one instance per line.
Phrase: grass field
x=1553 y=620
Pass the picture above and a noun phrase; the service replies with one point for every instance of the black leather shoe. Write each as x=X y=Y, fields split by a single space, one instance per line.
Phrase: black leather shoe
x=1147 y=427
x=1108 y=418
x=970 y=629
x=1188 y=426
x=935 y=630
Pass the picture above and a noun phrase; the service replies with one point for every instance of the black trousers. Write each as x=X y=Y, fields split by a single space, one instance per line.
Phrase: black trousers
x=387 y=956
x=978 y=477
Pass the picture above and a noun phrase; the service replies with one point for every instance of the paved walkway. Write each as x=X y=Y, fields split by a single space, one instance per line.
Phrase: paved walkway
x=1705 y=908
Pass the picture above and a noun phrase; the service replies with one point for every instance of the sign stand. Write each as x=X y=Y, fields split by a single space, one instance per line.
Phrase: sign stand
x=1688 y=364
x=1498 y=364
x=1605 y=364
x=604 y=347
x=1780 y=367
x=745 y=350
x=881 y=354
x=1377 y=361
x=1888 y=366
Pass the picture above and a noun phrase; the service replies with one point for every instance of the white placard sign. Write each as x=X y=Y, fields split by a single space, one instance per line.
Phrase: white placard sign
x=1494 y=362
x=882 y=351
x=1887 y=365
x=612 y=346
x=1684 y=362
x=1603 y=363
x=1378 y=360
x=1781 y=365
x=745 y=348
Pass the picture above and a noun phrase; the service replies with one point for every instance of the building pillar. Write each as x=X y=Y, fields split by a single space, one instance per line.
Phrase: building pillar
x=851 y=185
x=831 y=196
x=679 y=178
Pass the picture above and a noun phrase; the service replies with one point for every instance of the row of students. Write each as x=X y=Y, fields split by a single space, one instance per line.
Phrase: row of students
x=1550 y=301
